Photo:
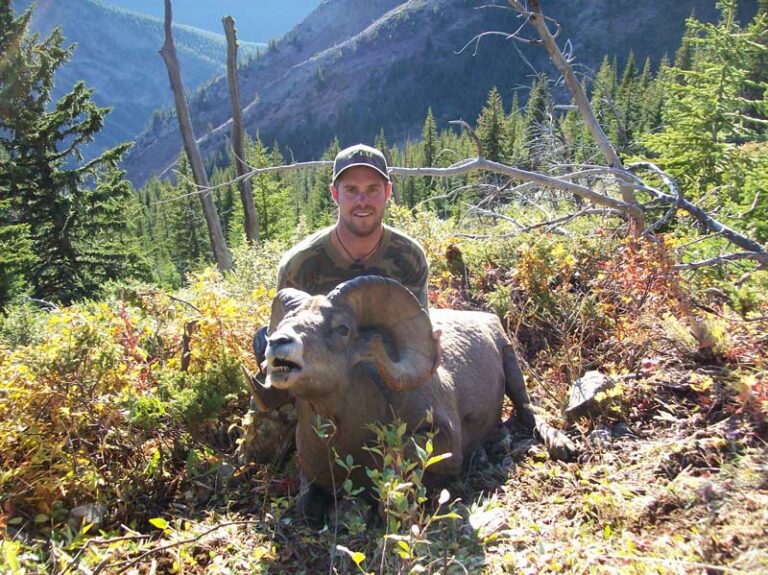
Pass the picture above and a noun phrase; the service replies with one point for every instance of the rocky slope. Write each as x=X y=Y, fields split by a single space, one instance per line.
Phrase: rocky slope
x=353 y=66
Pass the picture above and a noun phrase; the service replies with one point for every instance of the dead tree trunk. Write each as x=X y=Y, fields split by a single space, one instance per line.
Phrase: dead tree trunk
x=168 y=52
x=395 y=187
x=251 y=219
x=537 y=19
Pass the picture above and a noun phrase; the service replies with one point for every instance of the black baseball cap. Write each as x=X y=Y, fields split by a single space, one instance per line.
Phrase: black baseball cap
x=360 y=155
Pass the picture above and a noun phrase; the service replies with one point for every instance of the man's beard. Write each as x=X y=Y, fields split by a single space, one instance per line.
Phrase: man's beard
x=362 y=232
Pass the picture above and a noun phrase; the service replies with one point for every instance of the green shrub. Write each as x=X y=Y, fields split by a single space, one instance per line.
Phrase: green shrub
x=187 y=398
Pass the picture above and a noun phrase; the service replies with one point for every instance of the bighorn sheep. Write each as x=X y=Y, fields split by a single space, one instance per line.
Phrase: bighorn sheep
x=366 y=353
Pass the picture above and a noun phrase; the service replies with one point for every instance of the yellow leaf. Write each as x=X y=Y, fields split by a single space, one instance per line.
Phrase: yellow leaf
x=437 y=459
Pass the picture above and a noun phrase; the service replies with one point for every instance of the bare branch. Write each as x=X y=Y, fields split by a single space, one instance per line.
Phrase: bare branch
x=632 y=211
x=698 y=240
x=718 y=260
x=752 y=207
x=758 y=252
x=472 y=135
x=288 y=168
x=481 y=211
x=660 y=222
x=547 y=224
x=169 y=296
x=168 y=52
x=456 y=191
x=539 y=21
x=505 y=35
x=665 y=177
x=251 y=216
x=146 y=554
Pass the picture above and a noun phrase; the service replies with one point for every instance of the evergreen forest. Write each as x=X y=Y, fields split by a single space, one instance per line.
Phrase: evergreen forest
x=129 y=441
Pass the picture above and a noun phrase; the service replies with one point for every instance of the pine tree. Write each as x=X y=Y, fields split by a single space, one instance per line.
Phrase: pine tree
x=654 y=97
x=604 y=99
x=381 y=142
x=16 y=253
x=429 y=139
x=491 y=127
x=627 y=105
x=515 y=129
x=16 y=249
x=186 y=222
x=684 y=54
x=154 y=233
x=74 y=210
x=429 y=151
x=706 y=118
x=756 y=62
x=322 y=210
x=538 y=124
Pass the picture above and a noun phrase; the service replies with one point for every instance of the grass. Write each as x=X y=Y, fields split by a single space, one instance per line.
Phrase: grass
x=685 y=492
x=680 y=486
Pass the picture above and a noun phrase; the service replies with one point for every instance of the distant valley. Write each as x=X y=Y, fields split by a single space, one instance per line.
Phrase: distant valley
x=117 y=55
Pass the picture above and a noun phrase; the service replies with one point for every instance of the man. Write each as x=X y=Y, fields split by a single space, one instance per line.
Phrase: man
x=358 y=244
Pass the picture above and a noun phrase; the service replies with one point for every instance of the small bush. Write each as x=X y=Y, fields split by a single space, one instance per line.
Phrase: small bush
x=183 y=398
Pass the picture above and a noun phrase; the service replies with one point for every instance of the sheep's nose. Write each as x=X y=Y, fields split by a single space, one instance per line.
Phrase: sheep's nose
x=280 y=339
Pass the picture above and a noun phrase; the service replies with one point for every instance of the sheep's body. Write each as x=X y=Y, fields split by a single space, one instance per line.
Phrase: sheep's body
x=366 y=354
x=465 y=396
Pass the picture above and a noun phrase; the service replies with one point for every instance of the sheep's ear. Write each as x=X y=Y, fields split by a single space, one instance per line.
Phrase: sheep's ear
x=362 y=348
x=286 y=300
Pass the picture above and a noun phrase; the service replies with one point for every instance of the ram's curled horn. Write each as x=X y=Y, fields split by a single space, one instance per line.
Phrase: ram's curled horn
x=286 y=301
x=386 y=304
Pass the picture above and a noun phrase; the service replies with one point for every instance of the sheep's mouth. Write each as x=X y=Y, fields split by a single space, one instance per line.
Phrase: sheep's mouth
x=280 y=365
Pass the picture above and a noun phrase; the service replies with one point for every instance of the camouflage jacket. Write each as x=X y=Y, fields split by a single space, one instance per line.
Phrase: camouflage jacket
x=316 y=267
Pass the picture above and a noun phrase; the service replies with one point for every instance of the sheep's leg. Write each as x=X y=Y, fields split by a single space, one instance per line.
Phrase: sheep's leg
x=557 y=443
x=446 y=440
x=312 y=501
x=514 y=384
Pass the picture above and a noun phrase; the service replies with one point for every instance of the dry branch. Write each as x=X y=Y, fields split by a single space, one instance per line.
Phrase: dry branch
x=155 y=550
x=716 y=261
x=547 y=224
x=754 y=250
x=539 y=21
x=472 y=135
x=251 y=216
x=632 y=211
x=168 y=52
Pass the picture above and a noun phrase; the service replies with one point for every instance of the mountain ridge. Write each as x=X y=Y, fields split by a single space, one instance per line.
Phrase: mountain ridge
x=333 y=75
x=269 y=20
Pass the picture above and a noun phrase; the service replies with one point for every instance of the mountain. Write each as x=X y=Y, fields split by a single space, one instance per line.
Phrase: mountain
x=256 y=21
x=117 y=55
x=353 y=66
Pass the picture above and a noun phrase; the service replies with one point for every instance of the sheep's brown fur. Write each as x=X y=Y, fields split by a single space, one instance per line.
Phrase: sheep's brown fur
x=329 y=354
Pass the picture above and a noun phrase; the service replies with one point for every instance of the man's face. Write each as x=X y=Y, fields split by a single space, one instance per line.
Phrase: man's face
x=361 y=194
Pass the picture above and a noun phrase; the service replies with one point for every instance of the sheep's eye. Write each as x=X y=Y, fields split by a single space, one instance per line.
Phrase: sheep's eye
x=342 y=330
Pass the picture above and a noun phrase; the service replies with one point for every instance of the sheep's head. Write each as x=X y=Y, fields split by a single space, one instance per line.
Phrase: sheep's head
x=315 y=341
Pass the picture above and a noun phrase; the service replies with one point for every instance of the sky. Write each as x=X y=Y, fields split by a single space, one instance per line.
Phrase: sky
x=255 y=20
